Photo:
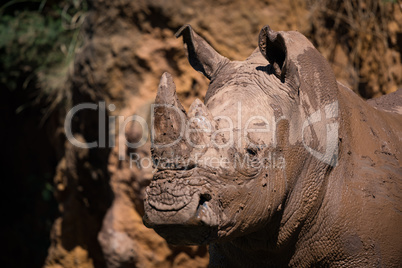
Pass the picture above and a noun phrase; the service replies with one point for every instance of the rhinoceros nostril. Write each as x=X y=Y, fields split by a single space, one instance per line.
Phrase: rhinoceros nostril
x=204 y=198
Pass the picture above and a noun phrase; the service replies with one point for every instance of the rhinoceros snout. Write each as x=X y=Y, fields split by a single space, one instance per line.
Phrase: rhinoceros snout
x=194 y=223
x=181 y=204
x=169 y=195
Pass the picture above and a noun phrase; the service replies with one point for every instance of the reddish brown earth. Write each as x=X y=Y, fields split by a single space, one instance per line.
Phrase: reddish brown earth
x=128 y=45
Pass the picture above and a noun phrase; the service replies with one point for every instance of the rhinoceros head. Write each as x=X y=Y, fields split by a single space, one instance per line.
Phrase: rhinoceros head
x=234 y=165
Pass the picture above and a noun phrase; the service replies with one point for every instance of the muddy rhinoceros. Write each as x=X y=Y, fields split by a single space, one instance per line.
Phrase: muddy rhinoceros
x=280 y=166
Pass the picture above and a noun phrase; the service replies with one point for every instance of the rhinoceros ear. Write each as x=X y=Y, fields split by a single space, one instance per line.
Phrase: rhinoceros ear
x=273 y=47
x=200 y=54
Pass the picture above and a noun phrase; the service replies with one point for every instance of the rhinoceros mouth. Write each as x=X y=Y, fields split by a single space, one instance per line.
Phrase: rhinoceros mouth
x=193 y=224
x=181 y=204
x=172 y=195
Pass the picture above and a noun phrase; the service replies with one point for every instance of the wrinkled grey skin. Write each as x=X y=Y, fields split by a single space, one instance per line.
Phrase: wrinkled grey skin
x=327 y=192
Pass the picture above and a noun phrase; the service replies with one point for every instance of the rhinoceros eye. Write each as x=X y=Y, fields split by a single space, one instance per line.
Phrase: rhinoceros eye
x=251 y=151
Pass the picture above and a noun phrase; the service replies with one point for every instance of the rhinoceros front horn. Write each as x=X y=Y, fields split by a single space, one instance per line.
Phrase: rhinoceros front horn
x=201 y=55
x=169 y=148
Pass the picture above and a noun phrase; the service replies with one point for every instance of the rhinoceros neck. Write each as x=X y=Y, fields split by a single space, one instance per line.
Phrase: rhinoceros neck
x=262 y=249
x=366 y=130
x=279 y=243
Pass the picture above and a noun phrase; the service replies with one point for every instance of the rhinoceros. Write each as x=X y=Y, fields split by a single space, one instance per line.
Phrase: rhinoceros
x=280 y=166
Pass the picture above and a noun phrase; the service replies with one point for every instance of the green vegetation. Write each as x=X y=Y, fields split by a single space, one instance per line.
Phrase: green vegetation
x=37 y=41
